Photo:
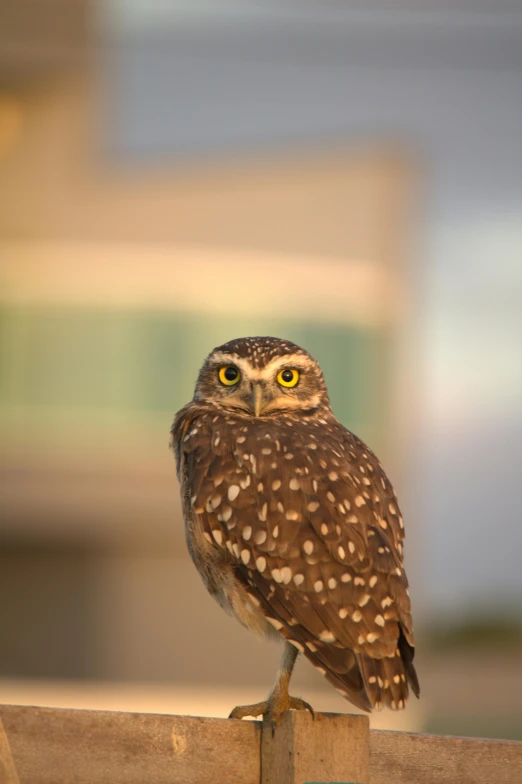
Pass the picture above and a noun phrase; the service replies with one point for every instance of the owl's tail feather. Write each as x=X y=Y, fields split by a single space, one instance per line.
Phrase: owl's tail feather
x=341 y=669
x=368 y=683
x=386 y=679
x=407 y=654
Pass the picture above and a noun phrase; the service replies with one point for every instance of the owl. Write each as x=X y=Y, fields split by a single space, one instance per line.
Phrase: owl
x=293 y=525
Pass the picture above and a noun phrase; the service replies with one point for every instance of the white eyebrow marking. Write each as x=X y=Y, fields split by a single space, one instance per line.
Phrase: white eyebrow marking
x=220 y=359
x=299 y=360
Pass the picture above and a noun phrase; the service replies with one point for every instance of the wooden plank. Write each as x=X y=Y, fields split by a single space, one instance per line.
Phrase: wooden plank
x=56 y=746
x=304 y=750
x=406 y=758
x=53 y=746
x=8 y=774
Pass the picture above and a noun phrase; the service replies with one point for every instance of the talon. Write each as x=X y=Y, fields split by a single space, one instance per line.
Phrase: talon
x=296 y=703
x=255 y=710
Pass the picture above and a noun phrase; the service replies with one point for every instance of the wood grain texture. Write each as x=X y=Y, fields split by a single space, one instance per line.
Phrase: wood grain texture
x=330 y=748
x=8 y=774
x=52 y=746
x=407 y=758
x=56 y=746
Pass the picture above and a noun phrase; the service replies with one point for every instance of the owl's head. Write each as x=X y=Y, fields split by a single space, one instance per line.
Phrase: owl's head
x=262 y=376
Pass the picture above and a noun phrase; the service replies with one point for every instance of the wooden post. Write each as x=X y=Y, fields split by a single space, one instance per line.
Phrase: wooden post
x=330 y=749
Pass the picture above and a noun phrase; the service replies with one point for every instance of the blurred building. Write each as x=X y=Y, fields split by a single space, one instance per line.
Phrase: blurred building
x=174 y=175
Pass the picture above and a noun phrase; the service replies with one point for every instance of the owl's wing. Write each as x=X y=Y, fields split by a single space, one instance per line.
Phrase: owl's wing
x=314 y=526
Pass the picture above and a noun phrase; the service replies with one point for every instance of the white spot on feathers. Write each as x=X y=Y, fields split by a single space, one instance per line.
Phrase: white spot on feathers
x=326 y=636
x=233 y=492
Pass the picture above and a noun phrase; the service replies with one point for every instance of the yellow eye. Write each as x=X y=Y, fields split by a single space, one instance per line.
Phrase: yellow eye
x=229 y=375
x=288 y=378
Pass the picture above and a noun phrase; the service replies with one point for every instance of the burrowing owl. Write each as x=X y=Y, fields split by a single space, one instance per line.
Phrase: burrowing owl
x=293 y=524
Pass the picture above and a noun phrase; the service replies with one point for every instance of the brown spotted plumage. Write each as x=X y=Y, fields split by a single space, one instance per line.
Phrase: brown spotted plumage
x=293 y=524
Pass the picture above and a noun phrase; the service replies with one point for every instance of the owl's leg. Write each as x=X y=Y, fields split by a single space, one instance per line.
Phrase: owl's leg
x=279 y=700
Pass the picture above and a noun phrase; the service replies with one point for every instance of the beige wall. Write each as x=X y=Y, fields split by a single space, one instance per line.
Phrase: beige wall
x=80 y=229
x=60 y=182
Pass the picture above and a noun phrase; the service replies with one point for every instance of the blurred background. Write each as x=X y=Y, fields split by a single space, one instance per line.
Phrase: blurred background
x=175 y=174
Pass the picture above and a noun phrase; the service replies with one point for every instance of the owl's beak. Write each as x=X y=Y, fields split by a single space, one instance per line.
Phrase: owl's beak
x=257 y=399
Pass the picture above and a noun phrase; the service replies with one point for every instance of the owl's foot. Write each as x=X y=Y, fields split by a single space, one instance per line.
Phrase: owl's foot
x=272 y=708
x=279 y=700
